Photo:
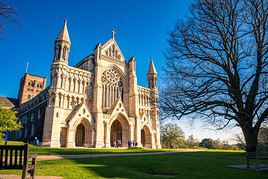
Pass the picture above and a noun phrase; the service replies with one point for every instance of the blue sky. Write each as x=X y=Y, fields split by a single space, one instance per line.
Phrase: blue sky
x=142 y=29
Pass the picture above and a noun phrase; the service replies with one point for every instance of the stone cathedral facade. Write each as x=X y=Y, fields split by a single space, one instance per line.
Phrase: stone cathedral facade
x=96 y=102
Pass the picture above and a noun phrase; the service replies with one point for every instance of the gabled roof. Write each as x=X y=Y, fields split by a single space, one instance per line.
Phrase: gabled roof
x=7 y=102
x=112 y=42
x=64 y=35
x=117 y=107
x=79 y=111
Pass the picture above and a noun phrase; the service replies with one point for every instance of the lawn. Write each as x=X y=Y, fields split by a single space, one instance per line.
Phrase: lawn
x=75 y=151
x=207 y=164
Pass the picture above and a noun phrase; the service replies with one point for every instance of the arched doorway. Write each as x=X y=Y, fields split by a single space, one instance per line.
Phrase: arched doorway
x=80 y=136
x=143 y=137
x=116 y=134
x=119 y=130
x=146 y=137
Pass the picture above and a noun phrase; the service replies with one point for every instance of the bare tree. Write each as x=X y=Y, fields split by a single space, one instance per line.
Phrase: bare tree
x=7 y=13
x=217 y=66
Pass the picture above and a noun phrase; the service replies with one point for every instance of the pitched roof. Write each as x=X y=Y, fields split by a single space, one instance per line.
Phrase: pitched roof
x=64 y=35
x=74 y=111
x=110 y=43
x=8 y=102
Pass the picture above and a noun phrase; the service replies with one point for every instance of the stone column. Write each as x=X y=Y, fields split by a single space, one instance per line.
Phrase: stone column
x=70 y=137
x=139 y=132
x=108 y=135
x=99 y=131
x=131 y=131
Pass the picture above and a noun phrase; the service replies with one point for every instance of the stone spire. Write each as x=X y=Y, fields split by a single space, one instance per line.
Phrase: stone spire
x=64 y=35
x=152 y=70
x=62 y=45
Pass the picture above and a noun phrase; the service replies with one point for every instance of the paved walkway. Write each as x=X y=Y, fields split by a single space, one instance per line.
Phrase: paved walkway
x=58 y=157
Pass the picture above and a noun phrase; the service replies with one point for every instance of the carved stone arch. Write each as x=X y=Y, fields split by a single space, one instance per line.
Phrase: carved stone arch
x=83 y=132
x=146 y=136
x=119 y=130
x=81 y=120
x=120 y=115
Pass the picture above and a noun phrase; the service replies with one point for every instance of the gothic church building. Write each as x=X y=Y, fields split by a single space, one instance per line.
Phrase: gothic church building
x=95 y=103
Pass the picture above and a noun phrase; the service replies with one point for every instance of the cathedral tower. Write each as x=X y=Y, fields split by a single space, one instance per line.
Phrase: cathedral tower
x=30 y=86
x=55 y=108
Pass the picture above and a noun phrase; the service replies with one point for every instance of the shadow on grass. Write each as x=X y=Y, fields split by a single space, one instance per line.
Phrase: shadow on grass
x=181 y=165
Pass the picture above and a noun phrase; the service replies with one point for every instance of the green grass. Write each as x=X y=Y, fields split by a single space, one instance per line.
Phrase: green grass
x=188 y=165
x=76 y=151
x=205 y=164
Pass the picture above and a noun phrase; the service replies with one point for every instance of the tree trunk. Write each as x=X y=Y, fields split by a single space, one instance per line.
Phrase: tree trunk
x=251 y=138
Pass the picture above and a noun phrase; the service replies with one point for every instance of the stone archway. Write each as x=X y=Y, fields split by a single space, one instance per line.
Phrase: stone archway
x=119 y=131
x=83 y=134
x=116 y=133
x=80 y=135
x=146 y=137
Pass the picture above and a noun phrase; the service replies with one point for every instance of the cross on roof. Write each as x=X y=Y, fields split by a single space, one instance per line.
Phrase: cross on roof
x=113 y=33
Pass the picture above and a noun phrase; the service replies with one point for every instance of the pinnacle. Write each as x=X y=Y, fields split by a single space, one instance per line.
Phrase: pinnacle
x=152 y=69
x=64 y=35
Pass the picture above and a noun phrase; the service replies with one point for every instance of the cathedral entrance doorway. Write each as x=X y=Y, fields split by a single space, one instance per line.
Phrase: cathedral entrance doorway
x=143 y=137
x=116 y=134
x=146 y=137
x=119 y=131
x=80 y=136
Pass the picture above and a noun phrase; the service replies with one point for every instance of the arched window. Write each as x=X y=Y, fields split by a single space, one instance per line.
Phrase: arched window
x=61 y=80
x=78 y=86
x=64 y=53
x=29 y=97
x=58 y=52
x=68 y=102
x=74 y=85
x=112 y=88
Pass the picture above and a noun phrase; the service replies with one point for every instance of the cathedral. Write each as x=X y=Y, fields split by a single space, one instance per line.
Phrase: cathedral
x=96 y=103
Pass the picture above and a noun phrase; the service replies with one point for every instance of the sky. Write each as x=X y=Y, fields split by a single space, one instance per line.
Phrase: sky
x=142 y=29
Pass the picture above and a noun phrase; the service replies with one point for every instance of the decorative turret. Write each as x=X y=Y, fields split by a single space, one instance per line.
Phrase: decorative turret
x=62 y=45
x=152 y=75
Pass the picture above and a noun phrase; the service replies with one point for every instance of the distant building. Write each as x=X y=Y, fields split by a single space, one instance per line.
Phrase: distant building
x=9 y=103
x=96 y=103
x=30 y=86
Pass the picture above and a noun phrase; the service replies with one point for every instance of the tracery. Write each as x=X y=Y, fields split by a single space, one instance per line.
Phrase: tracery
x=112 y=88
